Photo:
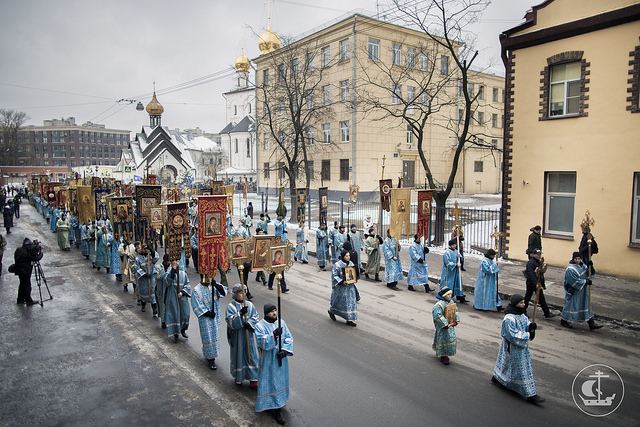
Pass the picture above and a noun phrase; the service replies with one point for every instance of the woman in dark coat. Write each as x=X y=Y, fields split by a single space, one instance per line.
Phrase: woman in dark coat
x=8 y=217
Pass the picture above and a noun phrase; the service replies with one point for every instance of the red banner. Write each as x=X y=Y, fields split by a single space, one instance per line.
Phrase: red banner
x=212 y=233
x=424 y=212
x=385 y=193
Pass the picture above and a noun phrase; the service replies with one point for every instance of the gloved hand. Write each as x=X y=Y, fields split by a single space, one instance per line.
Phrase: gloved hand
x=532 y=327
x=532 y=334
x=219 y=288
x=421 y=261
x=277 y=332
x=243 y=310
x=248 y=326
x=210 y=314
x=426 y=250
x=281 y=354
x=379 y=239
x=589 y=282
x=146 y=276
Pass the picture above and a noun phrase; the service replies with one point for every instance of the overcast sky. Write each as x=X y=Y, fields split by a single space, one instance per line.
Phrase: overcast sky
x=69 y=58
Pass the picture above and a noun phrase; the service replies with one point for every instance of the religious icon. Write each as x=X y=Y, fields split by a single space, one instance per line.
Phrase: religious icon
x=402 y=205
x=216 y=187
x=350 y=275
x=178 y=221
x=277 y=256
x=426 y=207
x=323 y=201
x=239 y=250
x=301 y=198
x=213 y=224
x=122 y=211
x=85 y=199
x=450 y=313
x=156 y=214
x=260 y=252
x=147 y=204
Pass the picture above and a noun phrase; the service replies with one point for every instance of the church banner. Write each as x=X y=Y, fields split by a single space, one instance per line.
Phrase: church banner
x=73 y=200
x=228 y=190
x=400 y=212
x=212 y=233
x=301 y=201
x=385 y=193
x=148 y=199
x=323 y=196
x=100 y=197
x=121 y=217
x=280 y=209
x=63 y=198
x=178 y=231
x=143 y=230
x=424 y=213
x=86 y=207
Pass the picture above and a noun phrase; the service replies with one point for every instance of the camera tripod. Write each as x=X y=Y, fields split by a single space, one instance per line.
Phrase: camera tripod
x=40 y=277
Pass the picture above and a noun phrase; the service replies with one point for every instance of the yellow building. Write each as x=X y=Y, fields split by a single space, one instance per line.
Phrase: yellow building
x=572 y=129
x=341 y=153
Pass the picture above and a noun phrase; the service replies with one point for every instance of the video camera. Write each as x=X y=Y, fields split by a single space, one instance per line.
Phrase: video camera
x=35 y=251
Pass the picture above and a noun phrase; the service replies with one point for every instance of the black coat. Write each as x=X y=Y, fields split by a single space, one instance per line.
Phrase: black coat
x=8 y=217
x=23 y=261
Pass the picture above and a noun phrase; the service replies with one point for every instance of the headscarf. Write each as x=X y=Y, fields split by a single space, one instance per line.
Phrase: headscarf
x=511 y=308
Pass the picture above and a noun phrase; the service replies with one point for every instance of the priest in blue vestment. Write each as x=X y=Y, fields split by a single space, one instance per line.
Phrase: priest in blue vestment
x=147 y=274
x=331 y=236
x=576 y=300
x=450 y=276
x=344 y=301
x=392 y=265
x=485 y=294
x=205 y=304
x=445 y=343
x=418 y=269
x=242 y=338
x=301 y=244
x=177 y=290
x=322 y=246
x=280 y=226
x=356 y=243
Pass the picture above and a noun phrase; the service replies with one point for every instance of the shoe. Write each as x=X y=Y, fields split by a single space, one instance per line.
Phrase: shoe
x=125 y=288
x=212 y=364
x=249 y=296
x=444 y=360
x=295 y=259
x=549 y=315
x=277 y=414
x=332 y=316
x=395 y=288
x=143 y=307
x=138 y=302
x=323 y=268
x=108 y=269
x=175 y=338
x=428 y=288
x=270 y=288
x=499 y=309
x=164 y=325
x=350 y=323
x=184 y=333
x=410 y=287
x=462 y=268
x=21 y=301
x=98 y=268
x=305 y=262
x=32 y=302
x=366 y=275
x=155 y=314
x=462 y=299
x=253 y=385
x=285 y=291
x=590 y=322
x=565 y=324
x=536 y=399
x=264 y=283
x=358 y=299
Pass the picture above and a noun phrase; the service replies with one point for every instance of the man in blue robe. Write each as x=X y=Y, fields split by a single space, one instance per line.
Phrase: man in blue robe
x=339 y=238
x=63 y=226
x=114 y=257
x=275 y=343
x=513 y=366
x=147 y=274
x=241 y=323
x=301 y=244
x=486 y=291
x=450 y=275
x=344 y=302
x=445 y=343
x=75 y=230
x=331 y=236
x=392 y=265
x=281 y=228
x=205 y=303
x=93 y=243
x=356 y=244
x=84 y=239
x=264 y=223
x=177 y=290
x=418 y=270
x=322 y=247
x=102 y=255
x=247 y=223
x=576 y=300
x=238 y=231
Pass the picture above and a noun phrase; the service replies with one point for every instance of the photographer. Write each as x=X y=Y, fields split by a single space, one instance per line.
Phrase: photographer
x=24 y=256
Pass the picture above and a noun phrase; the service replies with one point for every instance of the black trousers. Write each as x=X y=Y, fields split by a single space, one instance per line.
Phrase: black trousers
x=24 y=288
x=531 y=291
x=245 y=275
x=283 y=283
x=194 y=256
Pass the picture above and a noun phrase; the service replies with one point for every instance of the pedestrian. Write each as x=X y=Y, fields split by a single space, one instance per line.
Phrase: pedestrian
x=7 y=215
x=322 y=246
x=114 y=257
x=576 y=300
x=176 y=294
x=63 y=225
x=372 y=248
x=239 y=230
x=281 y=228
x=263 y=223
x=392 y=265
x=331 y=236
x=242 y=317
x=275 y=343
x=23 y=257
x=75 y=230
x=343 y=295
x=587 y=249
x=260 y=276
x=3 y=247
x=250 y=210
x=367 y=223
x=536 y=267
x=205 y=304
x=450 y=276
x=126 y=250
x=283 y=282
x=247 y=223
x=84 y=239
x=147 y=275
x=457 y=235
x=535 y=240
x=445 y=343
x=102 y=249
x=356 y=243
x=16 y=205
x=418 y=270
x=301 y=244
x=339 y=238
x=486 y=291
x=513 y=366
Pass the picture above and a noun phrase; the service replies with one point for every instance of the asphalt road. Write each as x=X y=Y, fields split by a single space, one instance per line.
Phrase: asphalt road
x=90 y=357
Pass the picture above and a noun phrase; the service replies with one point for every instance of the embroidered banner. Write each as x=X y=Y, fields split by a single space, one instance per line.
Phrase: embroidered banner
x=121 y=217
x=63 y=198
x=73 y=200
x=301 y=201
x=212 y=233
x=143 y=230
x=400 y=212
x=86 y=207
x=178 y=231
x=228 y=190
x=385 y=193
x=424 y=213
x=323 y=196
x=148 y=197
x=101 y=210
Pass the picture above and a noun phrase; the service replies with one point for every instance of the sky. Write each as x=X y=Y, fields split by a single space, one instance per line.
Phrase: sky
x=82 y=58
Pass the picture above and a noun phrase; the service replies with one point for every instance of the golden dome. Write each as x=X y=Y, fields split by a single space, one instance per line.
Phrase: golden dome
x=242 y=63
x=269 y=41
x=154 y=108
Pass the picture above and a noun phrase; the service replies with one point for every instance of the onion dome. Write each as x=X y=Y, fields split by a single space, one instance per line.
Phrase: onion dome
x=154 y=108
x=242 y=62
x=269 y=41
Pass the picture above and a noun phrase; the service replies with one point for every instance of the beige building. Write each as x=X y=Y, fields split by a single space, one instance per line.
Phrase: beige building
x=572 y=129
x=350 y=140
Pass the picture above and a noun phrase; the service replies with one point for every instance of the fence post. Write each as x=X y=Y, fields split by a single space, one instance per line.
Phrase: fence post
x=262 y=201
x=342 y=210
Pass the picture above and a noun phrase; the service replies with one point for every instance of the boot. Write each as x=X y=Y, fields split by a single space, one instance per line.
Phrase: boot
x=164 y=325
x=410 y=287
x=119 y=277
x=592 y=324
x=366 y=275
x=154 y=307
x=175 y=338
x=565 y=324
x=277 y=414
x=184 y=333
x=125 y=287
x=108 y=269
x=377 y=278
x=461 y=299
x=212 y=364
x=143 y=306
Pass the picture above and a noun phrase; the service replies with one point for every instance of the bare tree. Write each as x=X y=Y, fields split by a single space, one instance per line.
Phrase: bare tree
x=294 y=103
x=11 y=122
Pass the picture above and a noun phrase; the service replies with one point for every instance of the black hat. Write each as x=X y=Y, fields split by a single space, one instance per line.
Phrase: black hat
x=453 y=242
x=576 y=255
x=490 y=252
x=347 y=246
x=268 y=308
x=536 y=228
x=341 y=226
x=515 y=299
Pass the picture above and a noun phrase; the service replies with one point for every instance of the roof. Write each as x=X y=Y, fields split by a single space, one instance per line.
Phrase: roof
x=245 y=125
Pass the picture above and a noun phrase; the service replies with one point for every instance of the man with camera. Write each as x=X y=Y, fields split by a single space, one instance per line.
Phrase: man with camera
x=24 y=257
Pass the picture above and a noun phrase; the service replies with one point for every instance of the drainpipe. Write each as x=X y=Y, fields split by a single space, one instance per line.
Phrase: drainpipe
x=353 y=102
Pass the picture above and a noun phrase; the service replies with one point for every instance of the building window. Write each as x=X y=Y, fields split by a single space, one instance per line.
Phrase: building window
x=295 y=103
x=267 y=172
x=236 y=140
x=478 y=166
x=635 y=215
x=344 y=169
x=309 y=99
x=325 y=172
x=470 y=89
x=560 y=195
x=424 y=99
x=326 y=56
x=311 y=131
x=281 y=137
x=411 y=57
x=495 y=94
x=281 y=106
x=481 y=92
x=281 y=73
x=494 y=120
x=480 y=118
x=248 y=147
x=565 y=89
x=266 y=110
x=395 y=95
x=344 y=50
x=281 y=172
x=326 y=133
x=326 y=95
x=444 y=64
x=294 y=67
x=494 y=143
x=424 y=61
x=344 y=131
x=309 y=63
x=395 y=54
x=410 y=97
x=344 y=90
x=310 y=169
x=409 y=135
x=265 y=77
x=374 y=49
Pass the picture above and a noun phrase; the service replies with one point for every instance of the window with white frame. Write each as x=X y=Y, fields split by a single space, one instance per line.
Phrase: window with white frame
x=410 y=98
x=495 y=94
x=325 y=170
x=635 y=215
x=282 y=174
x=470 y=89
x=309 y=65
x=344 y=90
x=326 y=95
x=411 y=57
x=409 y=135
x=395 y=54
x=294 y=67
x=267 y=172
x=480 y=118
x=281 y=106
x=344 y=50
x=424 y=61
x=326 y=56
x=281 y=137
x=374 y=49
x=565 y=89
x=309 y=99
x=494 y=120
x=444 y=64
x=281 y=73
x=311 y=131
x=396 y=94
x=560 y=196
x=344 y=169
x=424 y=99
x=344 y=131
x=326 y=133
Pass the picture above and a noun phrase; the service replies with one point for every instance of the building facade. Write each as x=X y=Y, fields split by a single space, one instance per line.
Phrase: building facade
x=571 y=133
x=340 y=72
